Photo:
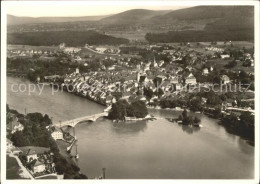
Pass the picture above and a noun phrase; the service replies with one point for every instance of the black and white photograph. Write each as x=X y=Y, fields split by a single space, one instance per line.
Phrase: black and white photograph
x=160 y=91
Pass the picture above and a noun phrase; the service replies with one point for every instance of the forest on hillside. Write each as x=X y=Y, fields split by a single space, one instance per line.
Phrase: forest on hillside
x=71 y=38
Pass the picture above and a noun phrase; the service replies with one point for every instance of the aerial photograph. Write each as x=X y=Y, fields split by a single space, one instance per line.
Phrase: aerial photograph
x=129 y=92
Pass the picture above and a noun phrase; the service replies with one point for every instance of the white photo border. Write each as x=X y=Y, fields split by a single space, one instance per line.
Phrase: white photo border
x=6 y=4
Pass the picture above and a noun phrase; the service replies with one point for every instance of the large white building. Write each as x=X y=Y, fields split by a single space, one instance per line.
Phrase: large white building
x=225 y=79
x=15 y=126
x=190 y=79
x=31 y=155
x=38 y=167
x=9 y=145
x=57 y=134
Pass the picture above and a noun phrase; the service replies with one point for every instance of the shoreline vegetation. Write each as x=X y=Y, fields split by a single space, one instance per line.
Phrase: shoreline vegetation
x=124 y=111
x=36 y=134
x=233 y=124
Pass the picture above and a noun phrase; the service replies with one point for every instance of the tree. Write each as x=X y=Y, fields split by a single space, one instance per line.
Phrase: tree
x=196 y=120
x=23 y=158
x=244 y=78
x=184 y=114
x=180 y=118
x=195 y=104
x=46 y=120
x=148 y=93
x=217 y=112
x=160 y=92
x=118 y=110
x=17 y=139
x=231 y=64
x=140 y=109
x=247 y=63
x=213 y=99
x=247 y=118
x=165 y=103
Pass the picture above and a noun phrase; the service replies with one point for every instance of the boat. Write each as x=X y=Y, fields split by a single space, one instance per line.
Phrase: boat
x=180 y=122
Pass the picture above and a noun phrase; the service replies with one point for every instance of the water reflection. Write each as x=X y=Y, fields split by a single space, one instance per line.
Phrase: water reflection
x=144 y=150
x=133 y=127
x=189 y=129
x=244 y=146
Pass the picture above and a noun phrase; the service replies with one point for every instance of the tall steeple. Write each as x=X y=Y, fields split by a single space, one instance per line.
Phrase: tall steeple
x=154 y=62
x=138 y=76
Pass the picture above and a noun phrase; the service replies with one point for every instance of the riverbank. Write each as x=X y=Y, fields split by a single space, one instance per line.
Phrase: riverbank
x=57 y=156
x=62 y=145
x=160 y=108
x=121 y=148
x=65 y=88
x=233 y=124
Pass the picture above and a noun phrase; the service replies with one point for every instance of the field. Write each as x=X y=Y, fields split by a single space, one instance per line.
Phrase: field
x=12 y=171
x=220 y=64
x=29 y=47
x=70 y=38
x=133 y=36
x=246 y=44
x=86 y=51
x=240 y=44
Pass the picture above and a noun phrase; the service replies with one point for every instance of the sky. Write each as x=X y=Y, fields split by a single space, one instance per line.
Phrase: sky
x=76 y=10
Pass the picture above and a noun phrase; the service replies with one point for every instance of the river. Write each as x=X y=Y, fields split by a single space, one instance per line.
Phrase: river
x=155 y=149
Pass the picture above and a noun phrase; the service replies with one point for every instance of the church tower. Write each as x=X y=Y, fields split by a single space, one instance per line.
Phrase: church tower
x=154 y=62
x=138 y=76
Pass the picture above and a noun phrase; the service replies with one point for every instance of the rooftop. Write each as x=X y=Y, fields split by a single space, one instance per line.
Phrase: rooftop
x=29 y=150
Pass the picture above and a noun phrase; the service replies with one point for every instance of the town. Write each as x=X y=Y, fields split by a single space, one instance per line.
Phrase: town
x=158 y=75
x=200 y=77
x=131 y=94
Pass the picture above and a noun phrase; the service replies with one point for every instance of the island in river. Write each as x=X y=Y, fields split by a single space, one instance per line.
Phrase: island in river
x=155 y=149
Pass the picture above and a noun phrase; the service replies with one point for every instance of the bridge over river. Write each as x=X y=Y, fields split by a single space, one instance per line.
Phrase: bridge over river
x=75 y=121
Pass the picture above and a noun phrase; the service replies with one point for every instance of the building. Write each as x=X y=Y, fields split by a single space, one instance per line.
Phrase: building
x=155 y=63
x=62 y=45
x=31 y=155
x=177 y=87
x=38 y=167
x=57 y=134
x=109 y=100
x=147 y=66
x=174 y=80
x=190 y=79
x=71 y=49
x=224 y=56
x=138 y=76
x=70 y=79
x=160 y=63
x=205 y=71
x=9 y=145
x=15 y=126
x=32 y=152
x=225 y=79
